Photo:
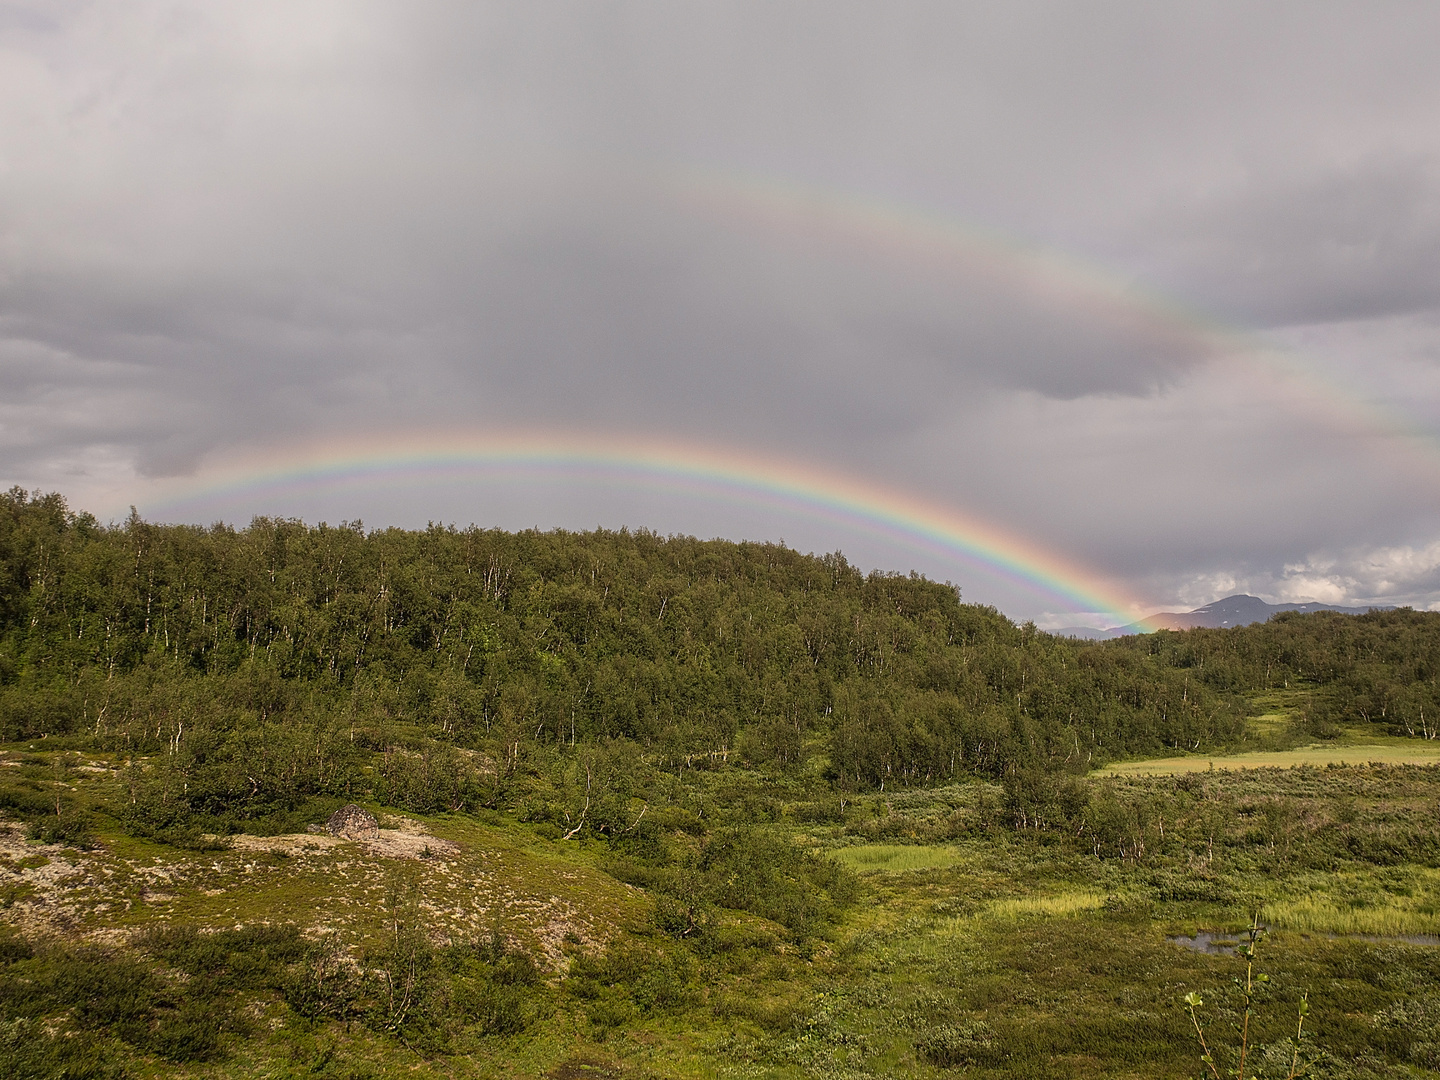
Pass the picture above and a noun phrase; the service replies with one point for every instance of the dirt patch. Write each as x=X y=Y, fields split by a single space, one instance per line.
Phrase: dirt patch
x=405 y=838
x=288 y=843
x=410 y=841
x=564 y=930
x=35 y=877
x=395 y=844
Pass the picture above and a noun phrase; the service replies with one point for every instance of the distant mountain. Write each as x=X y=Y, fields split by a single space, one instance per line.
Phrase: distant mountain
x=1091 y=632
x=1238 y=610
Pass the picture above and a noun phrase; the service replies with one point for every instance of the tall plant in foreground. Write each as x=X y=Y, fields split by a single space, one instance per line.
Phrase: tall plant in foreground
x=1301 y=1063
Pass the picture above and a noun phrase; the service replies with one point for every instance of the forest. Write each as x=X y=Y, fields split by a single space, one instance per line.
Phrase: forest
x=726 y=731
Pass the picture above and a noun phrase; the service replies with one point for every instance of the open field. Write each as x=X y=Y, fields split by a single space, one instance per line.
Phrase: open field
x=1398 y=752
x=1275 y=728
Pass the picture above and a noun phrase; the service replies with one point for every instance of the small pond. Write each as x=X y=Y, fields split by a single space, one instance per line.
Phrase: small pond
x=1217 y=944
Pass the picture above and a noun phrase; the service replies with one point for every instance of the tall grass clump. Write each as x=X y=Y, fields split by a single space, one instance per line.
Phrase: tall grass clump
x=1066 y=903
x=897 y=858
x=1320 y=916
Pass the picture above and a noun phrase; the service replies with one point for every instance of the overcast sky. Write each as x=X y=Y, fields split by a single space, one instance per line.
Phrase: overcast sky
x=1154 y=286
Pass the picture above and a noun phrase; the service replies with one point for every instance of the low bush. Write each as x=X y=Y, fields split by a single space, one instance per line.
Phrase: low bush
x=765 y=874
x=71 y=829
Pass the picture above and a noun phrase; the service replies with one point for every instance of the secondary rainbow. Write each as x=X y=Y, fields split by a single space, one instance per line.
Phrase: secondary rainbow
x=776 y=207
x=666 y=465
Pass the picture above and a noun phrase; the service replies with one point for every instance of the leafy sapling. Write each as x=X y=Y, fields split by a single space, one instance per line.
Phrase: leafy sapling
x=1302 y=1060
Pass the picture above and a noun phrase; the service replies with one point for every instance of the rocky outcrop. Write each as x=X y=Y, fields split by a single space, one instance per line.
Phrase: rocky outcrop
x=353 y=823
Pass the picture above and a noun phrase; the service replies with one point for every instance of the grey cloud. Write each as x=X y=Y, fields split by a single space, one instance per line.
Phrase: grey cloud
x=221 y=226
x=1353 y=244
x=594 y=310
x=1394 y=576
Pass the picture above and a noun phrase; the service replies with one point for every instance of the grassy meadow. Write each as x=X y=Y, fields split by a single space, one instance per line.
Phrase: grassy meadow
x=969 y=947
x=1278 y=731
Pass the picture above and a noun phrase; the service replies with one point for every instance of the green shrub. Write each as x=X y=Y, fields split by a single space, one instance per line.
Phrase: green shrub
x=490 y=1007
x=246 y=958
x=493 y=987
x=30 y=1052
x=757 y=871
x=663 y=985
x=71 y=828
x=191 y=1033
x=26 y=800
x=325 y=983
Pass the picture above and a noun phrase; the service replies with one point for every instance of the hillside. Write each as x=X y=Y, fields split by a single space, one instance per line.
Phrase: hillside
x=145 y=638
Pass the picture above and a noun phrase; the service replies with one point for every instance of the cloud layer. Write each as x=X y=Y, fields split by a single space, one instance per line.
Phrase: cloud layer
x=224 y=228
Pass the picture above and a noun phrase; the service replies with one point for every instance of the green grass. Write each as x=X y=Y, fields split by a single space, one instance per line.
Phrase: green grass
x=1274 y=735
x=1271 y=727
x=1060 y=904
x=1323 y=916
x=1382 y=904
x=897 y=858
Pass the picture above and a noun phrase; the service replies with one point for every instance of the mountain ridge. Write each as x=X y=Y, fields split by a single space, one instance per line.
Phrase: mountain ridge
x=1241 y=609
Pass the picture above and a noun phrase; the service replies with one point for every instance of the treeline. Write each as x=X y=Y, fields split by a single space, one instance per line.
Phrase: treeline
x=273 y=661
x=260 y=668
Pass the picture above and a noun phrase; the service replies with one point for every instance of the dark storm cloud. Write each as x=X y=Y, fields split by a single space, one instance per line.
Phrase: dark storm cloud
x=224 y=226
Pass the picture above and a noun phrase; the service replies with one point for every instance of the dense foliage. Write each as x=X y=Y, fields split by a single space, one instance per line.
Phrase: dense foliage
x=177 y=638
x=263 y=669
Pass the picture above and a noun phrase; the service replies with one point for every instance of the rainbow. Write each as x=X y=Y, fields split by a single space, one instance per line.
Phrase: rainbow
x=937 y=243
x=780 y=209
x=670 y=466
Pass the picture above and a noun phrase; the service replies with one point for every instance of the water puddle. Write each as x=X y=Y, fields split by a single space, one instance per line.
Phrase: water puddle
x=1206 y=941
